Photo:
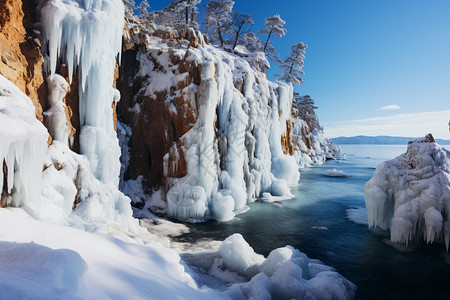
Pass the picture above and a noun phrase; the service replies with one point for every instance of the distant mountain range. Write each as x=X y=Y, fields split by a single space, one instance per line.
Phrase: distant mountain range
x=380 y=140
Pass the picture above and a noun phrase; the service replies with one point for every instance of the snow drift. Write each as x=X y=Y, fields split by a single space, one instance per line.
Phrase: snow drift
x=411 y=194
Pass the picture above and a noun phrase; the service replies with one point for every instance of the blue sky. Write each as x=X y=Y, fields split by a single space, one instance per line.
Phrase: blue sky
x=367 y=54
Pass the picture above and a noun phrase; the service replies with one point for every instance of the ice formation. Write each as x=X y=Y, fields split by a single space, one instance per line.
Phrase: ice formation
x=87 y=36
x=72 y=195
x=411 y=194
x=23 y=140
x=233 y=153
x=56 y=119
x=311 y=146
x=285 y=274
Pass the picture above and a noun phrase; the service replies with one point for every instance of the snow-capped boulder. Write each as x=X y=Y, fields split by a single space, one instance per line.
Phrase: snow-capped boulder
x=413 y=188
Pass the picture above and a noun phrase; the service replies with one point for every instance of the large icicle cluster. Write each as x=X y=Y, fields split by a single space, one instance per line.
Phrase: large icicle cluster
x=233 y=153
x=413 y=189
x=23 y=140
x=87 y=36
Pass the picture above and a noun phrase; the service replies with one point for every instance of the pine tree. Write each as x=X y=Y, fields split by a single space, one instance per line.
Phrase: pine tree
x=293 y=64
x=241 y=25
x=180 y=13
x=306 y=110
x=218 y=20
x=274 y=26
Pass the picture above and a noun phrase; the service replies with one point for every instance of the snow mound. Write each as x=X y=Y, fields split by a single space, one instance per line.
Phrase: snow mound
x=32 y=271
x=23 y=140
x=413 y=188
x=285 y=274
x=336 y=173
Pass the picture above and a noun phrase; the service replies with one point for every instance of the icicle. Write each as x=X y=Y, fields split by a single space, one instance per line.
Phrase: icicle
x=88 y=35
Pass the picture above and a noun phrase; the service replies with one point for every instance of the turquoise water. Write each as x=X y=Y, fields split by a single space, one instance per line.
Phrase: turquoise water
x=316 y=223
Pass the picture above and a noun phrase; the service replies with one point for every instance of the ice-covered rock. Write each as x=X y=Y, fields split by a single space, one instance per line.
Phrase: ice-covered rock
x=219 y=124
x=23 y=140
x=411 y=194
x=336 y=173
x=311 y=146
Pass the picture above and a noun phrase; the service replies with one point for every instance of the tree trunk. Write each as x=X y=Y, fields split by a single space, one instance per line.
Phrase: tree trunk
x=237 y=37
x=267 y=41
x=219 y=33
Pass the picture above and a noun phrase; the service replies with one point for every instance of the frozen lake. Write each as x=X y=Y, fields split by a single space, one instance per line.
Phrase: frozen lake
x=317 y=222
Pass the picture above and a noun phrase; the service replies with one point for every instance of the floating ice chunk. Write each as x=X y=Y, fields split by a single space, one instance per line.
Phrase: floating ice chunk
x=336 y=173
x=413 y=188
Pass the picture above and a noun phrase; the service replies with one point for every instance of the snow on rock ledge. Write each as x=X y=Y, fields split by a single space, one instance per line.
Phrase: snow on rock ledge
x=23 y=140
x=413 y=188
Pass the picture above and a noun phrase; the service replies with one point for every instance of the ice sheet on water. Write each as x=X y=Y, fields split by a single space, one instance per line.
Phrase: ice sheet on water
x=357 y=215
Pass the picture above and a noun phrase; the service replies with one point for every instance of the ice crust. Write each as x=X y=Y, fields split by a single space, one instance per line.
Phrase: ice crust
x=23 y=140
x=87 y=36
x=411 y=194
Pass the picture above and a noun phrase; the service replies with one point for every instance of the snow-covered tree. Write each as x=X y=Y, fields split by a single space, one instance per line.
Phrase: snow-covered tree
x=130 y=6
x=143 y=9
x=252 y=42
x=293 y=64
x=274 y=26
x=218 y=20
x=180 y=13
x=306 y=110
x=240 y=26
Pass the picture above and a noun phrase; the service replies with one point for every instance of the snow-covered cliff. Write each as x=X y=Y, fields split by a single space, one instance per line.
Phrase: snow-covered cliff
x=411 y=194
x=222 y=135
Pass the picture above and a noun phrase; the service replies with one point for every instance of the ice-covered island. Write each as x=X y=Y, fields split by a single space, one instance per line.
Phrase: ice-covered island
x=410 y=194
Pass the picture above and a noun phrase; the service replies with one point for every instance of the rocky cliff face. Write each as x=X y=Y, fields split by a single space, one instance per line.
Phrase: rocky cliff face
x=21 y=59
x=202 y=126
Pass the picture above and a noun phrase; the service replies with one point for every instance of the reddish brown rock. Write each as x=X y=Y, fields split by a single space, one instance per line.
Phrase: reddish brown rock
x=286 y=139
x=21 y=59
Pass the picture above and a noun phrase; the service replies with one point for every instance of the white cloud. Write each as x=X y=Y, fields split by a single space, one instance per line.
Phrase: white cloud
x=390 y=107
x=407 y=124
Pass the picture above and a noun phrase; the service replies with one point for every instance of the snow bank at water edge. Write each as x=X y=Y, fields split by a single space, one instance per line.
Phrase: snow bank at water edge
x=413 y=188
